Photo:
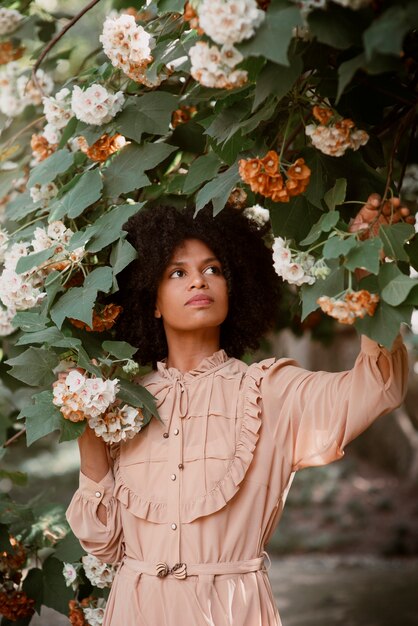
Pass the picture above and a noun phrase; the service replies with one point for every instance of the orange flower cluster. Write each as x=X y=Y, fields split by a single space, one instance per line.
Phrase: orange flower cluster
x=101 y=321
x=191 y=16
x=355 y=304
x=76 y=615
x=182 y=115
x=16 y=605
x=14 y=558
x=322 y=114
x=101 y=149
x=264 y=177
x=9 y=52
x=41 y=148
x=237 y=199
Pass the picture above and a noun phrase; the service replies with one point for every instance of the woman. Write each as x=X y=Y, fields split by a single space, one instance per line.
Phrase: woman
x=190 y=503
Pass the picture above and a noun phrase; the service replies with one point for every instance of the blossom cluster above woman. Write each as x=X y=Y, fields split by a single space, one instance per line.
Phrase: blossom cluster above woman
x=188 y=505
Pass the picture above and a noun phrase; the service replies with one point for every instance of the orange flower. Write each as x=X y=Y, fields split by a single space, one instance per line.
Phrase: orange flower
x=299 y=170
x=182 y=115
x=280 y=195
x=9 y=52
x=271 y=162
x=41 y=149
x=260 y=184
x=76 y=615
x=249 y=169
x=363 y=301
x=16 y=605
x=191 y=16
x=101 y=149
x=355 y=304
x=322 y=114
x=101 y=321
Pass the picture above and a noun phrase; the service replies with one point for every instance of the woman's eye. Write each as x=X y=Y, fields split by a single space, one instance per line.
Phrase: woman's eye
x=215 y=269
x=177 y=272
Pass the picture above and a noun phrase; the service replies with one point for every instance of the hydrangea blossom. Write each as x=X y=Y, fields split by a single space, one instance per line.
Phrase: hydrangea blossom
x=296 y=268
x=18 y=292
x=9 y=20
x=57 y=109
x=229 y=21
x=29 y=92
x=79 y=397
x=99 y=574
x=257 y=214
x=43 y=193
x=117 y=423
x=127 y=45
x=96 y=105
x=213 y=67
x=94 y=616
x=335 y=139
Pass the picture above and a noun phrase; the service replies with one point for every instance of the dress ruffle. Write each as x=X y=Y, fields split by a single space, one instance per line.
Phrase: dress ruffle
x=228 y=486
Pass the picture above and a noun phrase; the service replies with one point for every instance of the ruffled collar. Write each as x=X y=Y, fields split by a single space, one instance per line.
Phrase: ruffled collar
x=206 y=365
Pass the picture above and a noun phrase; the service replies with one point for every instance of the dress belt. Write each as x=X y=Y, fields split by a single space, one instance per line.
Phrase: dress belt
x=181 y=570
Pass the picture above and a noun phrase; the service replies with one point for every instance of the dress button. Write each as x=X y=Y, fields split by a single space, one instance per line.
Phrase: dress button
x=174 y=526
x=165 y=435
x=98 y=494
x=173 y=477
x=176 y=431
x=180 y=466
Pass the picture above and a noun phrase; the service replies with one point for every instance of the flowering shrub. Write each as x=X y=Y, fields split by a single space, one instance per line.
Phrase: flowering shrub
x=296 y=112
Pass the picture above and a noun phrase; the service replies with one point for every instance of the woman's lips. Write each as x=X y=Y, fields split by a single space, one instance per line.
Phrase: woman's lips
x=200 y=300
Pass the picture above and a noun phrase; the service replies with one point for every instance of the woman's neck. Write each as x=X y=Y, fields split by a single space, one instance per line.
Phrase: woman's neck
x=185 y=352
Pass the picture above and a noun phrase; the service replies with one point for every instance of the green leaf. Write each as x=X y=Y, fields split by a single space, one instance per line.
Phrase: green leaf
x=394 y=238
x=273 y=36
x=49 y=336
x=347 y=70
x=69 y=550
x=99 y=279
x=137 y=396
x=150 y=113
x=85 y=192
x=384 y=325
x=336 y=195
x=218 y=190
x=294 y=219
x=335 y=27
x=277 y=80
x=33 y=587
x=335 y=247
x=366 y=255
x=119 y=349
x=326 y=222
x=165 y=6
x=71 y=430
x=34 y=366
x=386 y=33
x=332 y=285
x=56 y=594
x=388 y=272
x=48 y=170
x=398 y=289
x=42 y=417
x=228 y=121
x=201 y=169
x=126 y=172
x=319 y=177
x=30 y=321
x=123 y=253
x=26 y=263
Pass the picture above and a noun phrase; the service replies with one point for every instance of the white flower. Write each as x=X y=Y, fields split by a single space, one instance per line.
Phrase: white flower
x=11 y=103
x=213 y=67
x=9 y=20
x=58 y=109
x=257 y=214
x=29 y=92
x=40 y=240
x=57 y=230
x=94 y=616
x=82 y=397
x=99 y=574
x=229 y=21
x=334 y=140
x=75 y=381
x=96 y=105
x=6 y=326
x=117 y=424
x=43 y=193
x=18 y=292
x=69 y=573
x=296 y=268
x=4 y=238
x=13 y=254
x=51 y=134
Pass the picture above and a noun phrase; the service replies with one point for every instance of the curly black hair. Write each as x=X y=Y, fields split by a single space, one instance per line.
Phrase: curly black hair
x=253 y=285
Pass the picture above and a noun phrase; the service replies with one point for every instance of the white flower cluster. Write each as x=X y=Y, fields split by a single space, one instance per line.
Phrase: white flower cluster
x=99 y=574
x=70 y=573
x=297 y=268
x=17 y=91
x=335 y=139
x=410 y=182
x=214 y=67
x=4 y=239
x=118 y=423
x=6 y=326
x=127 y=45
x=96 y=105
x=94 y=615
x=58 y=113
x=229 y=21
x=257 y=214
x=79 y=397
x=58 y=235
x=43 y=193
x=9 y=20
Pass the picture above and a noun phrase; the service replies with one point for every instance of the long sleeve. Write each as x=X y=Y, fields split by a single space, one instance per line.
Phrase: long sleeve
x=313 y=415
x=103 y=541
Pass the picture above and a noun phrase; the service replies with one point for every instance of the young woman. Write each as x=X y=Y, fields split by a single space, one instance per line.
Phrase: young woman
x=188 y=505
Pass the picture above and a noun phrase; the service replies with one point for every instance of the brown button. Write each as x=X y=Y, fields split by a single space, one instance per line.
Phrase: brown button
x=180 y=466
x=165 y=435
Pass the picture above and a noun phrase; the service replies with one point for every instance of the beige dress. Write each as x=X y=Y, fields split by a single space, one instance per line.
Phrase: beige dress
x=198 y=497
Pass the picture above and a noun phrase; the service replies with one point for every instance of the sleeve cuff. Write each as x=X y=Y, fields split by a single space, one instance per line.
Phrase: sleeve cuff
x=371 y=347
x=97 y=492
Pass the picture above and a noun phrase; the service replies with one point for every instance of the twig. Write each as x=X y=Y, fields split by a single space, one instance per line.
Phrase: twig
x=15 y=436
x=57 y=37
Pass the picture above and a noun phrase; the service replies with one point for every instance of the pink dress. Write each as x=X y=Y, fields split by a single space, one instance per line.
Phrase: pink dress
x=198 y=497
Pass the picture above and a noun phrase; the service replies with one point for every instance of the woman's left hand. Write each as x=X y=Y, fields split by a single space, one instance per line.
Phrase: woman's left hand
x=373 y=214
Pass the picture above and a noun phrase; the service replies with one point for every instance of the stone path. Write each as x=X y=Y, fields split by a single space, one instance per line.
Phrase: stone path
x=333 y=591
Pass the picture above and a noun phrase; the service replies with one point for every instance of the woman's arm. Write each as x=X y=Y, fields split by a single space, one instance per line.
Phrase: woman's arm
x=94 y=462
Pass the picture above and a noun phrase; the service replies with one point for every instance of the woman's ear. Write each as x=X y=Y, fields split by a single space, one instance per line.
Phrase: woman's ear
x=157 y=313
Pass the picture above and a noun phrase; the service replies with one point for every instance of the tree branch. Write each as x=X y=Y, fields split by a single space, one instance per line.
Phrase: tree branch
x=15 y=436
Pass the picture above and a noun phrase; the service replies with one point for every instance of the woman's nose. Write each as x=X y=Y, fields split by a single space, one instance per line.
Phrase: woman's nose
x=198 y=280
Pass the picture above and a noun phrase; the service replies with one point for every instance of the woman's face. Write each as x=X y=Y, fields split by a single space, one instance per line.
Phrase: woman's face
x=193 y=291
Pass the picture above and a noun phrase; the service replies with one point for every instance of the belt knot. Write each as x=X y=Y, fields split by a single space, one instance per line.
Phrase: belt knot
x=179 y=570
